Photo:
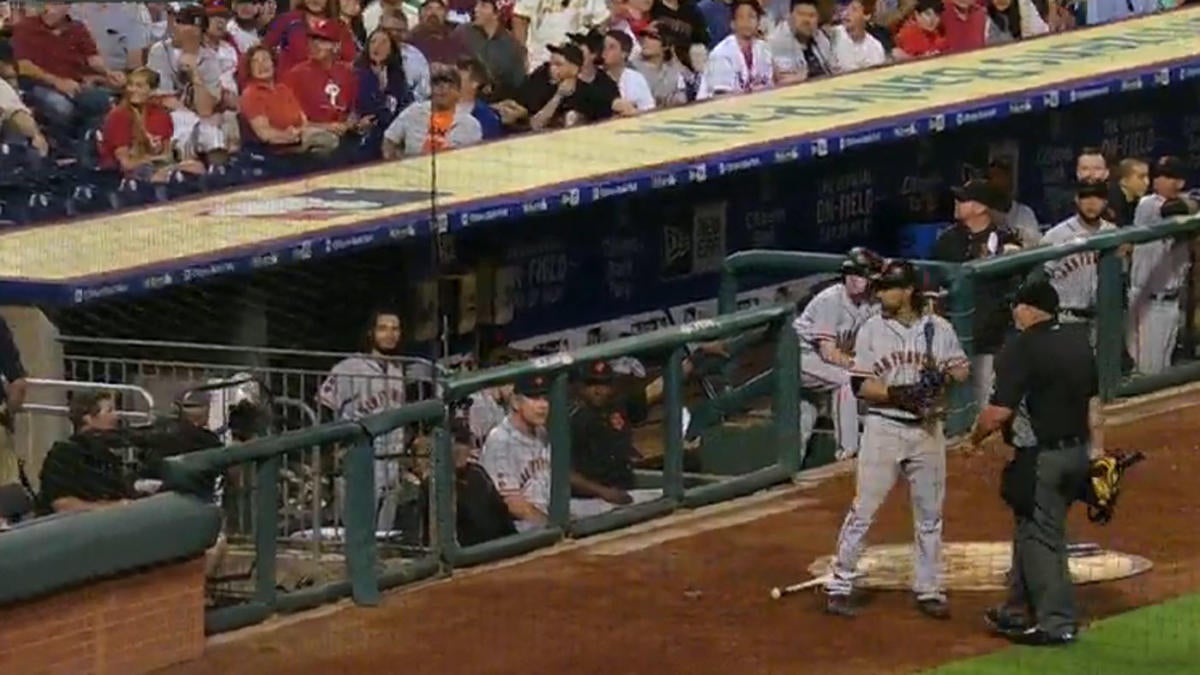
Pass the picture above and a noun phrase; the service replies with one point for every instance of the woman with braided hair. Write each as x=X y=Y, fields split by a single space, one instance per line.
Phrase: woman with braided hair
x=136 y=136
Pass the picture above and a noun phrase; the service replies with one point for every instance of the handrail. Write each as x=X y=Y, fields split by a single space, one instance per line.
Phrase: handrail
x=73 y=385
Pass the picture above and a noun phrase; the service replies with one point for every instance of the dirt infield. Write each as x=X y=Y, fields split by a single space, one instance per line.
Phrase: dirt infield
x=699 y=604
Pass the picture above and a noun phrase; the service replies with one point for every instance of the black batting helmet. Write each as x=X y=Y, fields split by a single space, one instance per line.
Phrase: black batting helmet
x=895 y=273
x=862 y=261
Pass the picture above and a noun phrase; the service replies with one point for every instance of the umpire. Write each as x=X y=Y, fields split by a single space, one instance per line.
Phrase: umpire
x=1044 y=386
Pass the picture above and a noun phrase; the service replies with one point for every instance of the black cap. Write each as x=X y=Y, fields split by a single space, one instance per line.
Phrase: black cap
x=936 y=5
x=593 y=40
x=536 y=385
x=1169 y=167
x=752 y=4
x=1091 y=188
x=571 y=52
x=446 y=75
x=1038 y=293
x=597 y=372
x=976 y=191
x=193 y=398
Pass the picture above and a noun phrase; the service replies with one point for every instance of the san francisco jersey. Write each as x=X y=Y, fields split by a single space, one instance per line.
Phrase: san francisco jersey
x=888 y=351
x=832 y=315
x=1074 y=276
x=363 y=385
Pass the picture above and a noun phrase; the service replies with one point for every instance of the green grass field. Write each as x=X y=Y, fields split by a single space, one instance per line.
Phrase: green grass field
x=1158 y=640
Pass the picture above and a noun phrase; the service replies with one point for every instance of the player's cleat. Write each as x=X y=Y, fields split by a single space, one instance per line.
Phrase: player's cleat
x=934 y=608
x=839 y=605
x=1005 y=622
x=1036 y=637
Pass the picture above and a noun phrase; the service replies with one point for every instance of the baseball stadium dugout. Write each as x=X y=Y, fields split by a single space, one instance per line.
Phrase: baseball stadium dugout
x=280 y=278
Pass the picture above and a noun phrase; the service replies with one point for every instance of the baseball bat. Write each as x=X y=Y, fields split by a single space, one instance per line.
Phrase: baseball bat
x=781 y=591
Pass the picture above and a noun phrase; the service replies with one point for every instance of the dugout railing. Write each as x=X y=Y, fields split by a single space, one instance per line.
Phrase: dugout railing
x=365 y=572
x=757 y=265
x=960 y=283
x=367 y=569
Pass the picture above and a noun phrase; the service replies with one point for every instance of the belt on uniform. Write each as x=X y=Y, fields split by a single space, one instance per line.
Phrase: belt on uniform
x=910 y=421
x=1078 y=312
x=1063 y=443
x=1170 y=296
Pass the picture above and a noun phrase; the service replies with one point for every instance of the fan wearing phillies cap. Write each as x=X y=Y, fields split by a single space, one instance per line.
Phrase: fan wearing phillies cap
x=289 y=33
x=326 y=87
x=1158 y=270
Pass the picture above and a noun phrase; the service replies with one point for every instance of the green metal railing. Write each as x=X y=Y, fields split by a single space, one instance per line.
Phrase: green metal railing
x=1110 y=305
x=195 y=473
x=365 y=576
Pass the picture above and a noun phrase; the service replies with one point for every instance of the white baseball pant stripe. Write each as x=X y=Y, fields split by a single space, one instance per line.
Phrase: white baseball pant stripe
x=1153 y=333
x=890 y=449
x=821 y=376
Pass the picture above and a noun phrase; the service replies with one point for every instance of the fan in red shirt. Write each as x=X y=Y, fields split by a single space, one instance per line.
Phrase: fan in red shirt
x=289 y=33
x=326 y=87
x=136 y=137
x=921 y=35
x=963 y=23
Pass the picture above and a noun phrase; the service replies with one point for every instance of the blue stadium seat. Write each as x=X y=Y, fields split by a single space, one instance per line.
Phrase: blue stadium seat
x=131 y=192
x=180 y=184
x=222 y=176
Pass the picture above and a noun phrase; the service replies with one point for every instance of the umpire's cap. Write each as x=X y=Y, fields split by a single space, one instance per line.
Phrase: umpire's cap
x=1039 y=294
x=895 y=273
x=536 y=385
x=861 y=261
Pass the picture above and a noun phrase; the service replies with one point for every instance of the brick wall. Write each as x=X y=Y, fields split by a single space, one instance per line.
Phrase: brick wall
x=124 y=626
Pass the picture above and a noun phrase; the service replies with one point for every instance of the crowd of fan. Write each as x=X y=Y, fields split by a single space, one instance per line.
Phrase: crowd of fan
x=167 y=89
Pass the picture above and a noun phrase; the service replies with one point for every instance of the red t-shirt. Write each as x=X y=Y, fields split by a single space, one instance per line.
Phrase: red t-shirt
x=275 y=102
x=288 y=36
x=62 y=51
x=916 y=41
x=963 y=32
x=325 y=94
x=118 y=132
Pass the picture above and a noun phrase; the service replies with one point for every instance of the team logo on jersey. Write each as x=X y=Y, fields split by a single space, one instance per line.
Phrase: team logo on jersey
x=898 y=359
x=617 y=421
x=321 y=204
x=1073 y=263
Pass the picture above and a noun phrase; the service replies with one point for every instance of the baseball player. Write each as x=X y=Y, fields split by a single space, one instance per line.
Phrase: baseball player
x=362 y=385
x=827 y=328
x=1074 y=276
x=902 y=361
x=1157 y=272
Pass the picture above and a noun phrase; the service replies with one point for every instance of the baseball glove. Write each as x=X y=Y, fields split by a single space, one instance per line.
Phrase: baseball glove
x=922 y=399
x=1103 y=485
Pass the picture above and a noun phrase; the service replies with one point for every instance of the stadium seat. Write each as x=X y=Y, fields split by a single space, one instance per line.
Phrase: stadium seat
x=131 y=192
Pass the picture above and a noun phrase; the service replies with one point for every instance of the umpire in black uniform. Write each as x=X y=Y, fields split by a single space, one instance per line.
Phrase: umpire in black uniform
x=1045 y=382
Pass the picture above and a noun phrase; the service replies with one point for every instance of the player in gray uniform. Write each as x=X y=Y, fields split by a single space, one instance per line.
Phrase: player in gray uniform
x=516 y=455
x=1157 y=272
x=1074 y=276
x=362 y=385
x=827 y=328
x=898 y=350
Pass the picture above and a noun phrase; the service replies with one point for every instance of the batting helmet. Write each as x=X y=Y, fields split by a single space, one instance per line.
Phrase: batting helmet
x=862 y=261
x=896 y=273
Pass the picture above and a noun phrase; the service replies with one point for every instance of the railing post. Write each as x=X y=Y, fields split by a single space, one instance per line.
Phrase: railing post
x=446 y=540
x=786 y=401
x=560 y=451
x=266 y=529
x=961 y=308
x=673 y=426
x=361 y=552
x=1110 y=322
x=727 y=293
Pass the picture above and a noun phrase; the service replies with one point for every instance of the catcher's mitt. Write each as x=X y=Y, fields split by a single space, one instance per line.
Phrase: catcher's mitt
x=1103 y=486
